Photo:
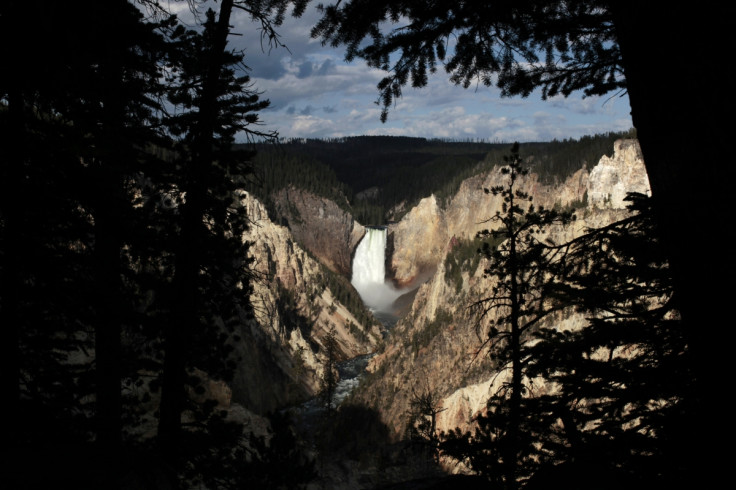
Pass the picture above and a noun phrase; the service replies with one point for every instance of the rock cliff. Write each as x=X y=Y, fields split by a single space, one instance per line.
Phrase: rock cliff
x=420 y=239
x=417 y=242
x=436 y=346
x=329 y=232
x=613 y=177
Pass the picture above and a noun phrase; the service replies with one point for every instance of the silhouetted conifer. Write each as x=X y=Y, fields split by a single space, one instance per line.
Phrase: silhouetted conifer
x=91 y=251
x=329 y=376
x=623 y=383
x=616 y=393
x=211 y=282
x=521 y=267
x=83 y=122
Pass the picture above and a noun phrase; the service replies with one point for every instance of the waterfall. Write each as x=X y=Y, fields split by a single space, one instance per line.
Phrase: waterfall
x=369 y=271
x=369 y=264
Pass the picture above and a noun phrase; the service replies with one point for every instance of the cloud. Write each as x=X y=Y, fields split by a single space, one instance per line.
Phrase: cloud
x=340 y=81
x=308 y=68
x=305 y=70
x=268 y=59
x=265 y=68
x=311 y=126
x=314 y=93
x=456 y=123
x=542 y=119
x=588 y=105
x=327 y=67
x=309 y=110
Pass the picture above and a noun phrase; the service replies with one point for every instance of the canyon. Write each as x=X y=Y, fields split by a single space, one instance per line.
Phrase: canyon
x=388 y=309
x=435 y=346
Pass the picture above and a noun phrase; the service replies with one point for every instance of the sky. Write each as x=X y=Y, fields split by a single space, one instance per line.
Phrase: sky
x=314 y=93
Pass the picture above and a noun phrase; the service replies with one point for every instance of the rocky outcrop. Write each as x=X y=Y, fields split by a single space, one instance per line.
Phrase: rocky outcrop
x=436 y=346
x=417 y=242
x=471 y=208
x=614 y=177
x=283 y=354
x=423 y=234
x=318 y=224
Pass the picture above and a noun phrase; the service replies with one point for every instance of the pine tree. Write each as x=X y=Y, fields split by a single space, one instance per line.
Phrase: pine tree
x=422 y=426
x=84 y=122
x=211 y=280
x=618 y=390
x=623 y=381
x=521 y=268
x=329 y=377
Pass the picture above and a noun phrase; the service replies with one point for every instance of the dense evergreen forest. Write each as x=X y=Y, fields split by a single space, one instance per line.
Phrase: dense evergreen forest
x=378 y=178
x=124 y=282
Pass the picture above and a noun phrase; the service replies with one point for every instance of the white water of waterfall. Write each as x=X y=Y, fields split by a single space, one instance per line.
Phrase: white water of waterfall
x=369 y=271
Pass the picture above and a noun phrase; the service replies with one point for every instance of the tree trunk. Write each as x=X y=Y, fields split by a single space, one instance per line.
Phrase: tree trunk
x=13 y=231
x=109 y=202
x=188 y=262
x=516 y=374
x=682 y=107
x=108 y=323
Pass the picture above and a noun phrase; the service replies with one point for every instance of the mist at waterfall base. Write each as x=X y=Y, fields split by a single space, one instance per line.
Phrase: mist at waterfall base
x=369 y=274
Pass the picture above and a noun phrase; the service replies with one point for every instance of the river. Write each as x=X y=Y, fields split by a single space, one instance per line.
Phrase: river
x=379 y=295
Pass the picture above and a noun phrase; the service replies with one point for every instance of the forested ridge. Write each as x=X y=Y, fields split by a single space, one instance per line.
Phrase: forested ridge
x=378 y=178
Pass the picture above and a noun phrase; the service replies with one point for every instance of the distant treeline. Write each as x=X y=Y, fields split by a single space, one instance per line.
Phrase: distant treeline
x=275 y=167
x=371 y=176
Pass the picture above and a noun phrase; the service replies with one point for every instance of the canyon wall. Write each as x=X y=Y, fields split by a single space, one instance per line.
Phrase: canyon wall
x=437 y=347
x=420 y=239
x=322 y=227
x=294 y=307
